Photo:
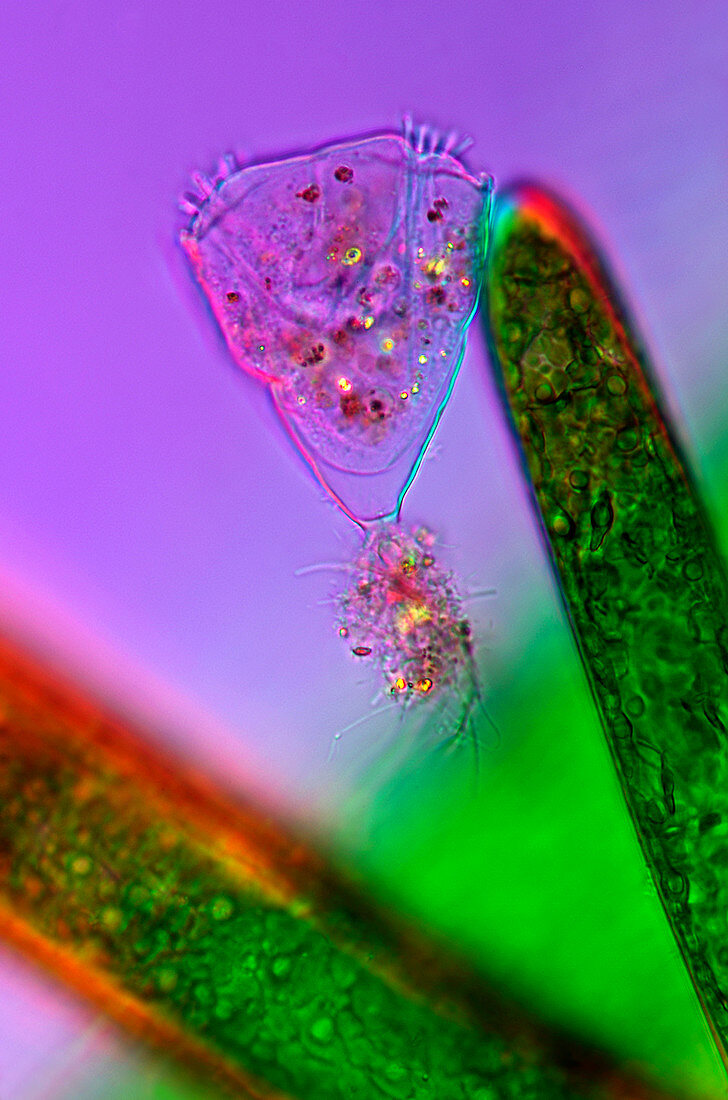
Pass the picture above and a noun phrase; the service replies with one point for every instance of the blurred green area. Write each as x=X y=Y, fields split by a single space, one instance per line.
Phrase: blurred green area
x=535 y=873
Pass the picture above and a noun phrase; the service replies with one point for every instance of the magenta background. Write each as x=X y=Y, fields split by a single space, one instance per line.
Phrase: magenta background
x=152 y=512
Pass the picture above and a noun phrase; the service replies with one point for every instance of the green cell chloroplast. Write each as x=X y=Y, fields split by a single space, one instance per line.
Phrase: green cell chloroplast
x=643 y=584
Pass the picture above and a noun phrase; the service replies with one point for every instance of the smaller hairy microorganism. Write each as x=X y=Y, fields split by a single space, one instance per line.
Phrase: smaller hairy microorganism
x=402 y=613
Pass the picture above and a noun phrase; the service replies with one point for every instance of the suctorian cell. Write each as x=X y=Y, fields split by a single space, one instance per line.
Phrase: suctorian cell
x=345 y=279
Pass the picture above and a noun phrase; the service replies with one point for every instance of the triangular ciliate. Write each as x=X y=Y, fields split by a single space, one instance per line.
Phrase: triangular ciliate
x=346 y=280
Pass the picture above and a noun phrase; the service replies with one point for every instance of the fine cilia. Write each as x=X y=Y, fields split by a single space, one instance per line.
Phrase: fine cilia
x=345 y=280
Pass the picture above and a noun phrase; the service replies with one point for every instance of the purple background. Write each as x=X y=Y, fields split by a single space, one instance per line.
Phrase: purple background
x=152 y=511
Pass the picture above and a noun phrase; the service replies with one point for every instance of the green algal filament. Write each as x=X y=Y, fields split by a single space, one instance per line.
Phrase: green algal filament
x=643 y=585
